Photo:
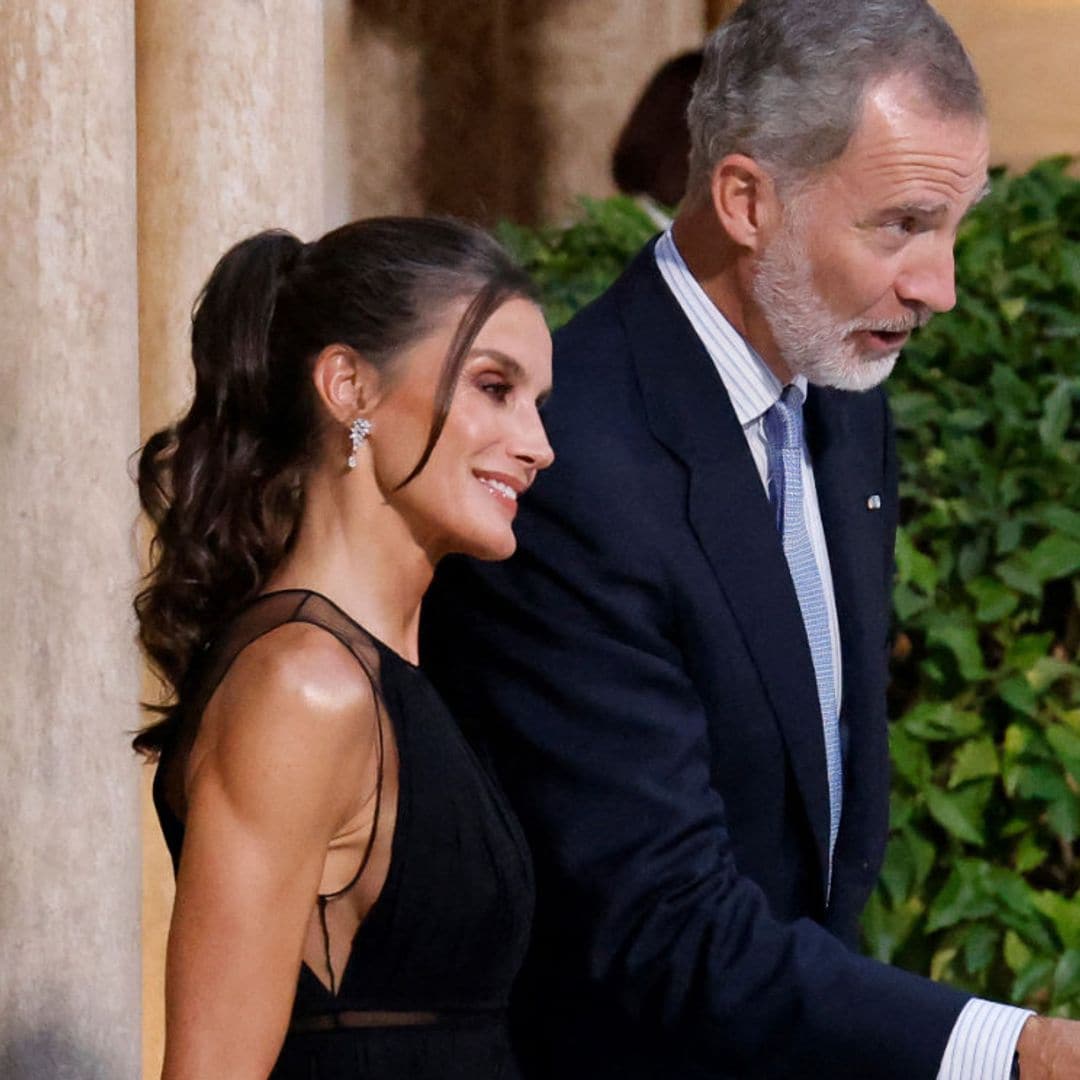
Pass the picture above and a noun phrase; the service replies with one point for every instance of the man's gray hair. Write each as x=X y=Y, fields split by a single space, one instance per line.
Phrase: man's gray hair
x=784 y=80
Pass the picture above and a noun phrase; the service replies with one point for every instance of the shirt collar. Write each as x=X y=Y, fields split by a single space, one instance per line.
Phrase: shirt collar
x=751 y=386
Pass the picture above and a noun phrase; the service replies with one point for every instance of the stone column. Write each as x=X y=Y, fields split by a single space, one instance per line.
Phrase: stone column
x=69 y=900
x=231 y=108
x=231 y=117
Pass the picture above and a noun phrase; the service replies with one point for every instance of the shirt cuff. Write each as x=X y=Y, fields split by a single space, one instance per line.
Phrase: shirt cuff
x=982 y=1042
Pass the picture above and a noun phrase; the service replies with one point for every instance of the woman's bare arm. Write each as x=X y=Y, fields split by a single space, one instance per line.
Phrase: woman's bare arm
x=274 y=775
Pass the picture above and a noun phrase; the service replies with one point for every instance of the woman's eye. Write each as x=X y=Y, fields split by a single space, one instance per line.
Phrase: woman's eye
x=497 y=388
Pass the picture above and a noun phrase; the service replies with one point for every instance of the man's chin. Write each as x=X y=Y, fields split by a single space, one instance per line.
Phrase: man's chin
x=855 y=376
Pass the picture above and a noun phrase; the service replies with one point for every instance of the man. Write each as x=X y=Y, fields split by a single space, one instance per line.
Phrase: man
x=681 y=674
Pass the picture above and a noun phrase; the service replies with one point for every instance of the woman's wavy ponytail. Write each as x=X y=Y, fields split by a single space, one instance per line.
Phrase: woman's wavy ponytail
x=222 y=487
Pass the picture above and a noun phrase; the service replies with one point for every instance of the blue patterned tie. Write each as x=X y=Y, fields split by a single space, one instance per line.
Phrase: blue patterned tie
x=784 y=446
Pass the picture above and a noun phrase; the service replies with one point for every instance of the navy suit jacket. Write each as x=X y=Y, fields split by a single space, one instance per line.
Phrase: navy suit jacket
x=641 y=675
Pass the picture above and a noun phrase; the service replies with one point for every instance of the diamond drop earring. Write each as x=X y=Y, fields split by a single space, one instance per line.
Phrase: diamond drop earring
x=359 y=430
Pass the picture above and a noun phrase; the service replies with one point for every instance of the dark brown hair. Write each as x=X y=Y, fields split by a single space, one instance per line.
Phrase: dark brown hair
x=224 y=487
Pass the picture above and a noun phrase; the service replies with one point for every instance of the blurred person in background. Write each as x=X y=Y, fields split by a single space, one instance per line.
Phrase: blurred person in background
x=652 y=156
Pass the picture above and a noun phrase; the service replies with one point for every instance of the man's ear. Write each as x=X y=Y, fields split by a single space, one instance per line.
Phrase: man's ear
x=347 y=384
x=744 y=200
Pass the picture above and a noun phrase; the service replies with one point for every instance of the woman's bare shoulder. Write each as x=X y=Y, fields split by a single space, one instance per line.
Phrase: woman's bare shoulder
x=294 y=706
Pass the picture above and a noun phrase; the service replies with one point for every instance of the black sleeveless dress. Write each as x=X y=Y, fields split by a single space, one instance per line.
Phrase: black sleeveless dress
x=424 y=990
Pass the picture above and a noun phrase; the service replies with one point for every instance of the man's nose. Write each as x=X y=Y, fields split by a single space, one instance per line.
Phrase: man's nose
x=929 y=278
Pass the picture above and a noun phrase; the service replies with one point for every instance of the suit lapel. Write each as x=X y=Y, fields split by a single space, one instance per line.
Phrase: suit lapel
x=729 y=512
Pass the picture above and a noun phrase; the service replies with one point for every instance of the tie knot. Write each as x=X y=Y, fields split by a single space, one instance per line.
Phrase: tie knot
x=783 y=422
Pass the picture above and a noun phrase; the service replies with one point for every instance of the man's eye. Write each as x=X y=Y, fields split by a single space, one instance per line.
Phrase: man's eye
x=904 y=226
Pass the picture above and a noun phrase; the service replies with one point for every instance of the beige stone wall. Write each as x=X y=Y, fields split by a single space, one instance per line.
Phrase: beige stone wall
x=69 y=911
x=1028 y=54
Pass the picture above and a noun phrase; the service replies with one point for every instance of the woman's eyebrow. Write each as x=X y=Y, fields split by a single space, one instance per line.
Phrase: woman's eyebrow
x=508 y=362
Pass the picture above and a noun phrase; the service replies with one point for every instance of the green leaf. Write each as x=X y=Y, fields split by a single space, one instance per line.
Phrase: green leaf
x=1055 y=556
x=1012 y=309
x=1063 y=816
x=936 y=720
x=1018 y=573
x=1057 y=415
x=1037 y=975
x=907 y=602
x=972 y=559
x=886 y=929
x=1066 y=984
x=941 y=963
x=963 y=642
x=1063 y=519
x=1029 y=854
x=967 y=419
x=909 y=756
x=1008 y=536
x=1063 y=913
x=901 y=809
x=980 y=947
x=912 y=566
x=974 y=760
x=963 y=896
x=994 y=600
x=1018 y=693
x=1017 y=954
x=1066 y=744
x=897 y=870
x=923 y=856
x=1043 y=782
x=961 y=812
x=909 y=859
x=1026 y=649
x=1046 y=671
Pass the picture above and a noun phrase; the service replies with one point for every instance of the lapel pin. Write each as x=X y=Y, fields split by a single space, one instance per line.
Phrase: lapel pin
x=874 y=502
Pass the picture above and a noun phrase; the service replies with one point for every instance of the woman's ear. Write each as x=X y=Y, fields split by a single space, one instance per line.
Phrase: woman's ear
x=744 y=200
x=346 y=382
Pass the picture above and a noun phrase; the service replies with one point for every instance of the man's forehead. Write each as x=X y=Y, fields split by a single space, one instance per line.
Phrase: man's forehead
x=903 y=149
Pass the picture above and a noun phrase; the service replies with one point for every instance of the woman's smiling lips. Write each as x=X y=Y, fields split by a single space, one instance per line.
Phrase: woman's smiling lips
x=505 y=488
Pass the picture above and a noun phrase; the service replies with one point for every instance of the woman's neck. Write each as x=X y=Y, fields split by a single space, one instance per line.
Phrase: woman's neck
x=355 y=548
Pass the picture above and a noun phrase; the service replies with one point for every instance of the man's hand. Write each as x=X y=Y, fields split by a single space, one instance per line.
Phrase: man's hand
x=1049 y=1049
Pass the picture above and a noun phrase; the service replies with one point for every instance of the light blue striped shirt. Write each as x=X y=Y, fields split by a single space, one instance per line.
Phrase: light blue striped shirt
x=983 y=1039
x=753 y=390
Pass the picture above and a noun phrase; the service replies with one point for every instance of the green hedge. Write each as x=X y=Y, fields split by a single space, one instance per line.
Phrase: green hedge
x=982 y=870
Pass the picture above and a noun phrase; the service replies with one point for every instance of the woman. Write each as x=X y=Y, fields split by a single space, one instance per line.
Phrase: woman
x=353 y=897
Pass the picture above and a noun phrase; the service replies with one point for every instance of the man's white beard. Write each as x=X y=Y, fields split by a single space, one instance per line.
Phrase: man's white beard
x=809 y=339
